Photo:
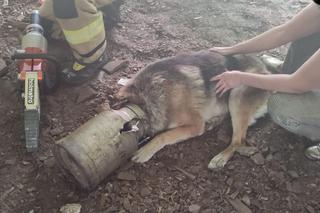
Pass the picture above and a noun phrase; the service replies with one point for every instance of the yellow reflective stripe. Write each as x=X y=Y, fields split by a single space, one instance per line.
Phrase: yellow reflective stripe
x=77 y=67
x=86 y=33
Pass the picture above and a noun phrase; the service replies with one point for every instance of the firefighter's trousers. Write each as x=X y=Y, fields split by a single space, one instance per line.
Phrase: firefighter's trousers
x=80 y=23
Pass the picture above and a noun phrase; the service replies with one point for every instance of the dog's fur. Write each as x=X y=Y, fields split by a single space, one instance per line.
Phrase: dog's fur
x=179 y=100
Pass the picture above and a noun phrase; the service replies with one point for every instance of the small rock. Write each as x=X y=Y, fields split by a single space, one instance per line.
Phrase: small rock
x=126 y=176
x=20 y=186
x=145 y=192
x=269 y=157
x=25 y=163
x=32 y=189
x=56 y=131
x=9 y=162
x=199 y=17
x=114 y=66
x=230 y=181
x=71 y=208
x=293 y=174
x=101 y=76
x=264 y=198
x=85 y=93
x=31 y=211
x=246 y=200
x=258 y=159
x=123 y=81
x=194 y=208
x=247 y=150
x=43 y=158
x=50 y=162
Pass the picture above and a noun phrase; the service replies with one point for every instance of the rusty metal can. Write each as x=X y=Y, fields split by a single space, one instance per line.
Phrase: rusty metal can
x=101 y=145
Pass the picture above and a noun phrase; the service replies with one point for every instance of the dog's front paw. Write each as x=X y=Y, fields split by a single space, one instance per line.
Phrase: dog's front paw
x=218 y=162
x=142 y=155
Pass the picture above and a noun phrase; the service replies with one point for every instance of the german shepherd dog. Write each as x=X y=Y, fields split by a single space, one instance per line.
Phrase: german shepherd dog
x=180 y=100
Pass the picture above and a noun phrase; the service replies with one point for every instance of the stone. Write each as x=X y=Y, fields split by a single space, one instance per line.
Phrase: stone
x=71 y=208
x=145 y=192
x=230 y=181
x=114 y=66
x=85 y=93
x=10 y=162
x=31 y=189
x=50 y=162
x=194 y=208
x=246 y=200
x=247 y=150
x=293 y=174
x=258 y=159
x=126 y=176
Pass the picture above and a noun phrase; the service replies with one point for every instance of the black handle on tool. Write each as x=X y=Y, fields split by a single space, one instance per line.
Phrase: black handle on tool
x=24 y=55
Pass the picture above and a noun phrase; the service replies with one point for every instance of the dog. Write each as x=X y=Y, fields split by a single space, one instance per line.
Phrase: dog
x=180 y=100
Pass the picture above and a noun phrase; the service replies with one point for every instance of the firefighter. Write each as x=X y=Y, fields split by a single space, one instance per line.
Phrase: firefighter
x=81 y=23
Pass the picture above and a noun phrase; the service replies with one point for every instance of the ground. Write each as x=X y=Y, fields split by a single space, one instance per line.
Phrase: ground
x=278 y=179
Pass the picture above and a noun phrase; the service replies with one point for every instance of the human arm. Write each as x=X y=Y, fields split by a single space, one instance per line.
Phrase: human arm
x=303 y=24
x=306 y=78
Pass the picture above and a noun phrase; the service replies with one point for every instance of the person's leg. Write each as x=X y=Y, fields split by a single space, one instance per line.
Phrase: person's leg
x=299 y=52
x=83 y=28
x=111 y=12
x=299 y=114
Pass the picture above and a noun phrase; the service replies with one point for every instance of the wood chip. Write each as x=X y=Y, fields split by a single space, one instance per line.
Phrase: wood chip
x=239 y=206
x=71 y=208
x=126 y=176
x=310 y=209
x=114 y=66
x=5 y=194
x=187 y=174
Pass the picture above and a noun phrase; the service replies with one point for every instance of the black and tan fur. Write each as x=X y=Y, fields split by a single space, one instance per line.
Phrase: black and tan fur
x=179 y=100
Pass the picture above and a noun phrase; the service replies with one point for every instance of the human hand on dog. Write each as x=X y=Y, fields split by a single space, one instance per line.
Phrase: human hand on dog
x=226 y=81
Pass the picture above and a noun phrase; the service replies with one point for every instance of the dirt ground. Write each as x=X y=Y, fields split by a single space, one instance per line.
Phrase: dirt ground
x=277 y=179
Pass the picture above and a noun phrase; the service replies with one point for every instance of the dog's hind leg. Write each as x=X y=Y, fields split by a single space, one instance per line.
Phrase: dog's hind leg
x=244 y=104
x=194 y=127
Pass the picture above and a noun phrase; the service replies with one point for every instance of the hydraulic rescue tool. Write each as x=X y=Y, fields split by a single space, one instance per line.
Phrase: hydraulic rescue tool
x=37 y=72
